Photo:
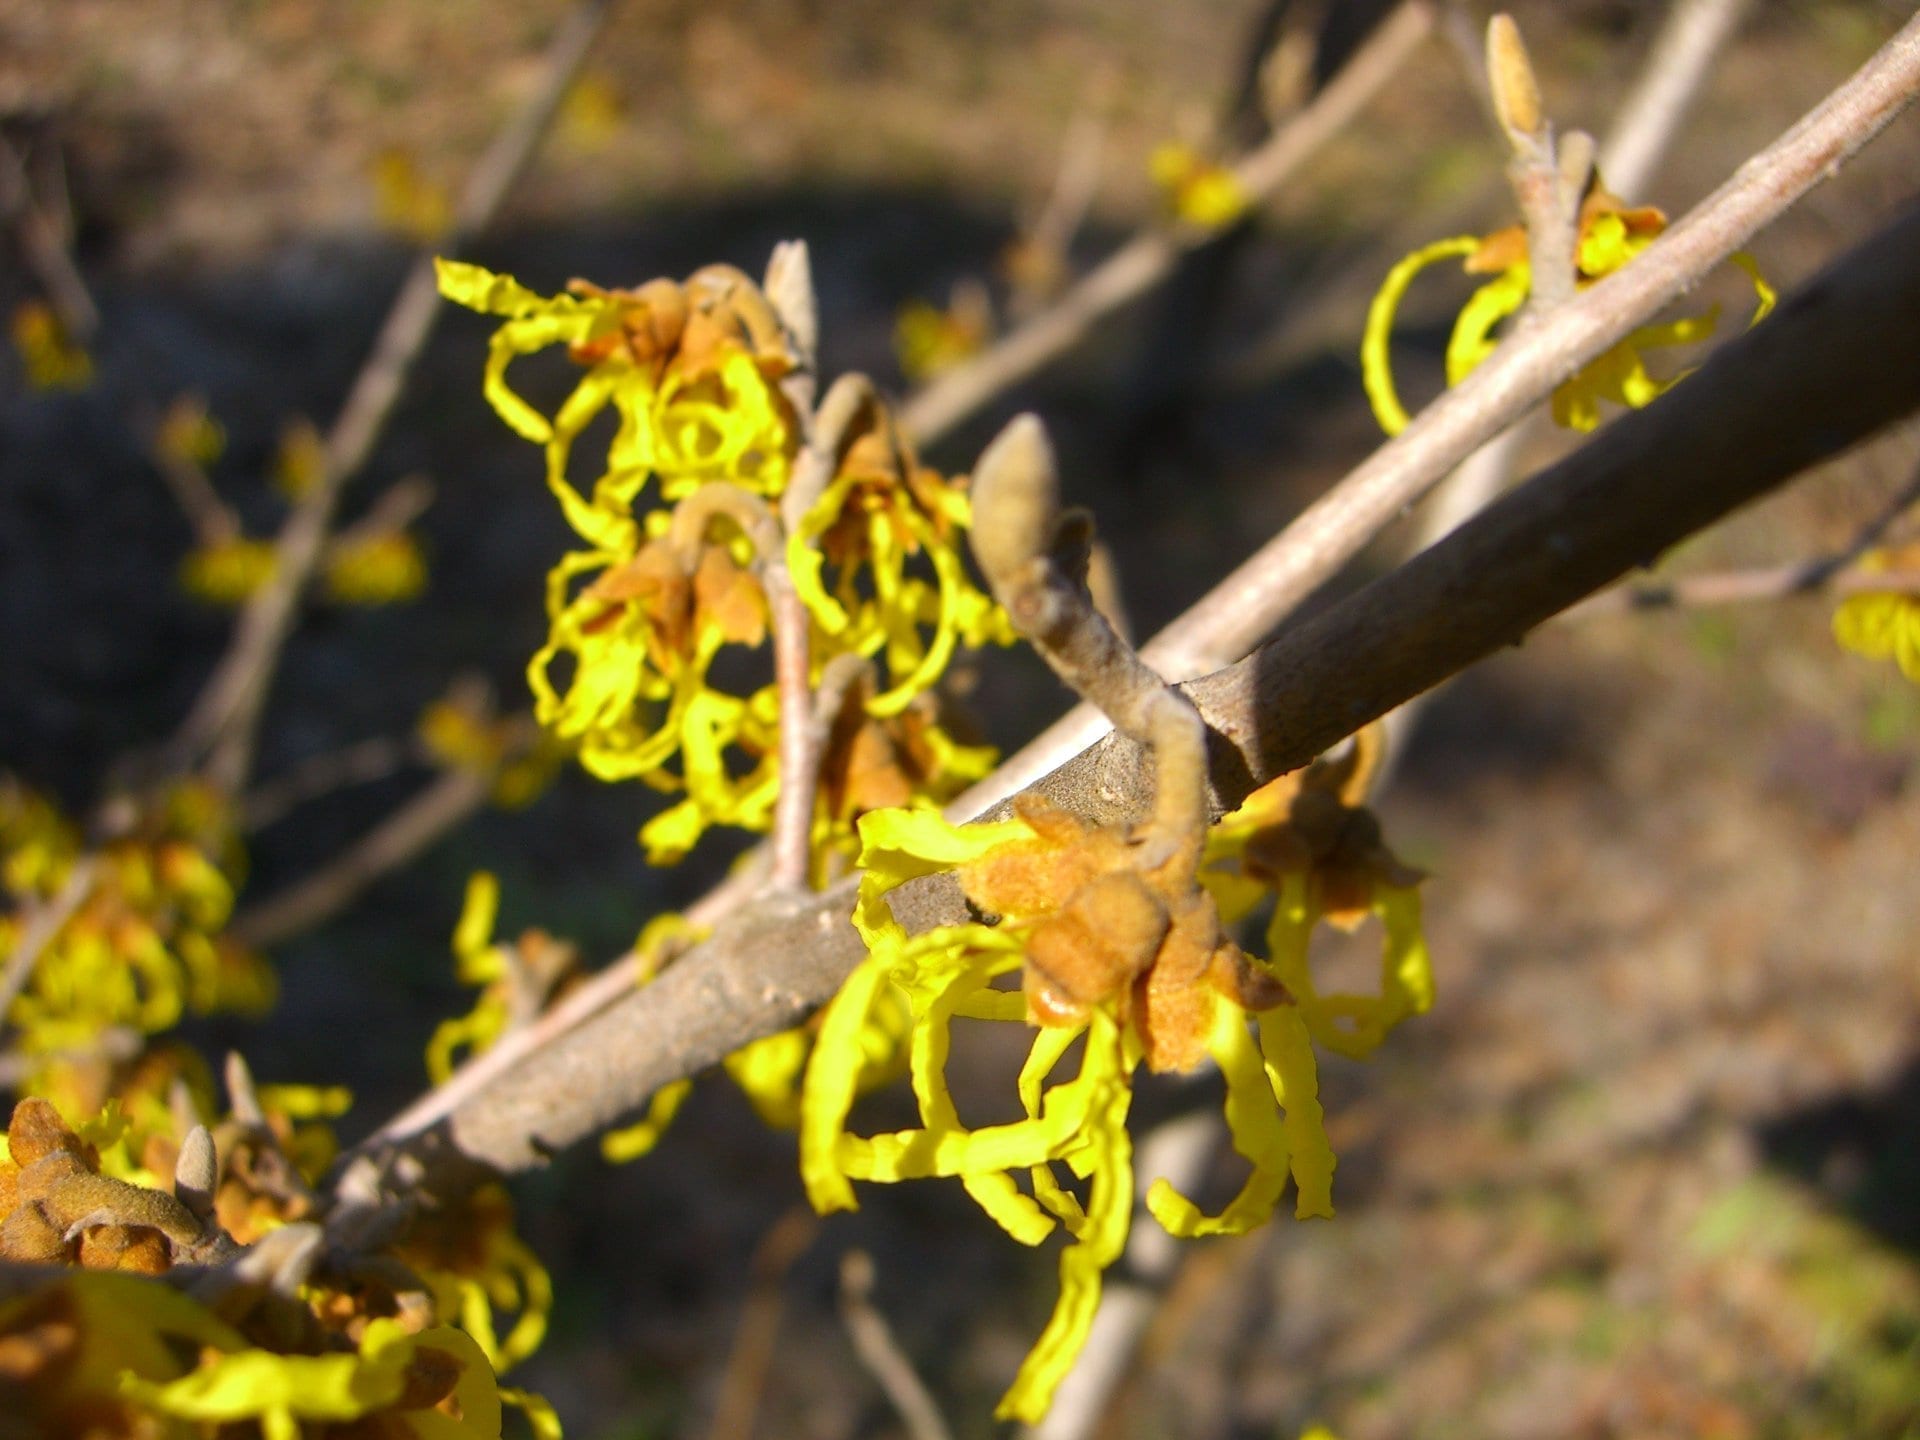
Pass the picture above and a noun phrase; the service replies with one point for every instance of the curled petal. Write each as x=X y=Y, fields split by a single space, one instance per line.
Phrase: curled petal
x=1295 y=1079
x=1258 y=1134
x=1102 y=1237
x=1376 y=367
x=1472 y=339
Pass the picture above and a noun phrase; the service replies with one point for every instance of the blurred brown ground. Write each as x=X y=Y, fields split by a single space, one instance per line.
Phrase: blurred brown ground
x=1652 y=1168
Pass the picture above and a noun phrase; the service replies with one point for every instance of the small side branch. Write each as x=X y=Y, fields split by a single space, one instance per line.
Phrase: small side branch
x=1149 y=257
x=222 y=725
x=873 y=1342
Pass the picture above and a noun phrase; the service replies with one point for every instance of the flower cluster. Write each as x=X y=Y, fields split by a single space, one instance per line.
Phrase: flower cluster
x=350 y=1339
x=1610 y=234
x=51 y=357
x=144 y=944
x=1124 y=955
x=669 y=588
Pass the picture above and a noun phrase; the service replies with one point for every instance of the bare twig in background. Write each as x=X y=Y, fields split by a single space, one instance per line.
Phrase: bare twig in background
x=1232 y=617
x=43 y=243
x=1143 y=261
x=745 y=1378
x=874 y=1343
x=1736 y=429
x=1694 y=33
x=212 y=519
x=402 y=503
x=445 y=802
x=222 y=725
x=1177 y=1150
x=1740 y=587
x=1044 y=246
x=41 y=924
x=359 y=764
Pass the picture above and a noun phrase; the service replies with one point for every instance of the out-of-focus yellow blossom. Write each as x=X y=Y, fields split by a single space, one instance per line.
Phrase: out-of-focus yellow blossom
x=1306 y=839
x=460 y=739
x=481 y=1274
x=189 y=434
x=51 y=358
x=1884 y=625
x=1140 y=977
x=408 y=202
x=383 y=569
x=301 y=460
x=1610 y=235
x=510 y=978
x=228 y=571
x=591 y=115
x=1197 y=190
x=928 y=339
x=144 y=944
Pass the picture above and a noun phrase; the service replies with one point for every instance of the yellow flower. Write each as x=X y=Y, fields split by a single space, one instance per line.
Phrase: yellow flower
x=300 y=461
x=1197 y=190
x=1884 y=625
x=688 y=369
x=850 y=555
x=144 y=945
x=928 y=339
x=1611 y=235
x=1306 y=839
x=480 y=1273
x=407 y=202
x=228 y=571
x=457 y=737
x=53 y=361
x=380 y=569
x=591 y=115
x=1141 y=973
x=189 y=434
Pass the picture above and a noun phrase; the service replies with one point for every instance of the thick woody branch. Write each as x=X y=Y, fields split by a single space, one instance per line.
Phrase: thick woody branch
x=1741 y=426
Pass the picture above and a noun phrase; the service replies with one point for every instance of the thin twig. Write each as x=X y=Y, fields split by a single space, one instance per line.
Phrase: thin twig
x=744 y=1380
x=409 y=830
x=874 y=1343
x=45 y=249
x=1741 y=587
x=360 y=764
x=1677 y=66
x=1150 y=256
x=222 y=725
x=1232 y=617
x=42 y=923
x=1737 y=428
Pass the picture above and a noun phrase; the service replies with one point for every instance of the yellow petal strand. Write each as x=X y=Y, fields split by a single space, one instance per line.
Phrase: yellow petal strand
x=1406 y=967
x=478 y=288
x=1102 y=1239
x=1258 y=1135
x=1376 y=366
x=1295 y=1079
x=833 y=1073
x=1764 y=294
x=512 y=340
x=1472 y=339
x=633 y=1141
